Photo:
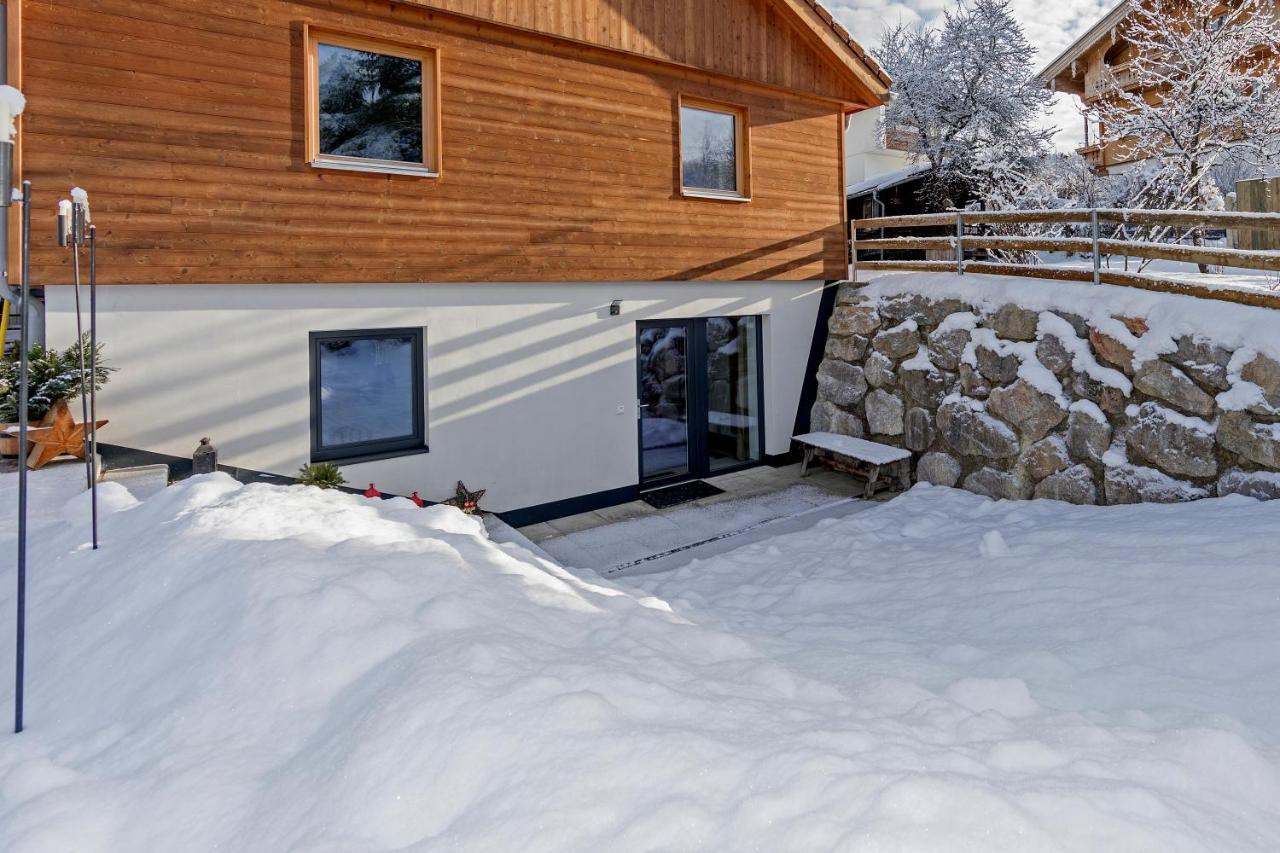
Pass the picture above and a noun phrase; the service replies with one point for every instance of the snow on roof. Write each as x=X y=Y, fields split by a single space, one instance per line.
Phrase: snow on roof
x=887 y=180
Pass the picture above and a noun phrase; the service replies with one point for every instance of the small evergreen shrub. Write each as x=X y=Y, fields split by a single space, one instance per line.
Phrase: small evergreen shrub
x=322 y=475
x=52 y=375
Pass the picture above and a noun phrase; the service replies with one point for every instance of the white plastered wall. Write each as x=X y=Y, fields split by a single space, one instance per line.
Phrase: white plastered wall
x=531 y=388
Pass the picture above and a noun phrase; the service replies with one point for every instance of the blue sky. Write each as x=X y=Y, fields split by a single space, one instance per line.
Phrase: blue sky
x=1050 y=26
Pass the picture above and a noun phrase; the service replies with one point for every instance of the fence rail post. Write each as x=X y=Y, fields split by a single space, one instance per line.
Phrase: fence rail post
x=1097 y=254
x=959 y=243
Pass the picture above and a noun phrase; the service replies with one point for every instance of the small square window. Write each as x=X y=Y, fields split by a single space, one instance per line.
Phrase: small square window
x=713 y=150
x=371 y=106
x=366 y=393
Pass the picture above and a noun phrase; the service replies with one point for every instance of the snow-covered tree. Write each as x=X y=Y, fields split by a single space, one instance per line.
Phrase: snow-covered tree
x=1202 y=91
x=966 y=95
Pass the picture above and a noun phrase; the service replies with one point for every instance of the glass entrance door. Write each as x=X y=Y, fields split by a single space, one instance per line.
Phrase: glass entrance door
x=699 y=397
x=663 y=349
x=733 y=391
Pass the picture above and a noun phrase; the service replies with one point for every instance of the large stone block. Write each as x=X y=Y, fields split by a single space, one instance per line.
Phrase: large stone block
x=884 y=413
x=1264 y=372
x=1014 y=323
x=1000 y=485
x=851 y=348
x=918 y=431
x=924 y=387
x=878 y=369
x=840 y=382
x=968 y=430
x=1174 y=443
x=1075 y=485
x=853 y=320
x=1202 y=360
x=1263 y=485
x=1111 y=350
x=1131 y=484
x=1166 y=382
x=1257 y=442
x=938 y=468
x=946 y=347
x=1077 y=323
x=972 y=383
x=1045 y=458
x=827 y=417
x=1033 y=412
x=921 y=309
x=899 y=342
x=849 y=293
x=1087 y=437
x=998 y=369
x=1054 y=355
x=1109 y=398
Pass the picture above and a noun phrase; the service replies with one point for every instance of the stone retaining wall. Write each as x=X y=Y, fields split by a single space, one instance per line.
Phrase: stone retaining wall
x=1016 y=403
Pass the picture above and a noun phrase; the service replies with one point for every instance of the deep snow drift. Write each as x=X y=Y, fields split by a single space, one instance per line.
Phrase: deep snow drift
x=257 y=668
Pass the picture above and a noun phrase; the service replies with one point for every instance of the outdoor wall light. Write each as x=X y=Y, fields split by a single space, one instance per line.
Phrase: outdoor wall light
x=615 y=308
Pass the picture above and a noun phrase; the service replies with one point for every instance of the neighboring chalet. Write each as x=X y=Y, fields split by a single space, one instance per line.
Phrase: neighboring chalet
x=561 y=250
x=1084 y=69
x=1080 y=70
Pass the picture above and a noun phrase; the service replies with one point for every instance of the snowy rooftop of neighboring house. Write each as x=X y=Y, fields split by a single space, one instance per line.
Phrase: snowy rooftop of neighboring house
x=887 y=180
x=1078 y=47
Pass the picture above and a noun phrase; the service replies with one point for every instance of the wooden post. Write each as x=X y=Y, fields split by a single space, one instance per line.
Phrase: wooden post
x=959 y=243
x=1097 y=253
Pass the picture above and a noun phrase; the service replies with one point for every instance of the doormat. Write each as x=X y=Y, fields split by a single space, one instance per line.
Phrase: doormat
x=679 y=494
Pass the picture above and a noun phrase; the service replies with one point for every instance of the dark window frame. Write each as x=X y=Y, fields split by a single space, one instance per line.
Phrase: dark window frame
x=377 y=448
x=699 y=459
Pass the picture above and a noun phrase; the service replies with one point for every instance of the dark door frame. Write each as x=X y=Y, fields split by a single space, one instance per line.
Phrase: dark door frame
x=696 y=401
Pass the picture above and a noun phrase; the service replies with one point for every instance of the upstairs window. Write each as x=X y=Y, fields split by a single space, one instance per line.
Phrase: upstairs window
x=713 y=150
x=371 y=106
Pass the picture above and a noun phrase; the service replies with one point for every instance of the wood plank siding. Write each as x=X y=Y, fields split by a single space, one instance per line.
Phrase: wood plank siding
x=185 y=120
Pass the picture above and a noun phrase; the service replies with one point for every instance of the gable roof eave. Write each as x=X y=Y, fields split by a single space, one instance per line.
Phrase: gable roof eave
x=1081 y=45
x=841 y=47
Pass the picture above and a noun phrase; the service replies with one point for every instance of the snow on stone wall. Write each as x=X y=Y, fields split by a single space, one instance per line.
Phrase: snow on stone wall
x=1019 y=388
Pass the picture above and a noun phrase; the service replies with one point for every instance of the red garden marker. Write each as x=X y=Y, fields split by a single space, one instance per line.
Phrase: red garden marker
x=372 y=492
x=419 y=501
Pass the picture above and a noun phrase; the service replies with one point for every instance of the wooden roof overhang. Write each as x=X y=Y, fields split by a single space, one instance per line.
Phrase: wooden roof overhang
x=867 y=83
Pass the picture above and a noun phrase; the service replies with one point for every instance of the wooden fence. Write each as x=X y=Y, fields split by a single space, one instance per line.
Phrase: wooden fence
x=960 y=243
x=1261 y=195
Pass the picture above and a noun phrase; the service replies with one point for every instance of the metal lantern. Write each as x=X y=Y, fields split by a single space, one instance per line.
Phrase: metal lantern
x=205 y=459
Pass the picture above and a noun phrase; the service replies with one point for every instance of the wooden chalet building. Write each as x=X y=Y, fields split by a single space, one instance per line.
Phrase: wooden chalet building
x=562 y=250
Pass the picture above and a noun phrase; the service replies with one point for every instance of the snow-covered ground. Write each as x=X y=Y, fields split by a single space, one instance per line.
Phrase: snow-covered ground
x=259 y=668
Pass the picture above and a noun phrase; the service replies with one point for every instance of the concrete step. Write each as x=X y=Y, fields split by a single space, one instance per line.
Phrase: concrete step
x=142 y=481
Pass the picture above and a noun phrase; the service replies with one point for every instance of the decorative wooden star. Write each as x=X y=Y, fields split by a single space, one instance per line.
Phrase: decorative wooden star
x=65 y=436
x=465 y=500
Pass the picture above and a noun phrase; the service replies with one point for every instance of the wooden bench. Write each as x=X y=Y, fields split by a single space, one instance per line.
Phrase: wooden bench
x=867 y=457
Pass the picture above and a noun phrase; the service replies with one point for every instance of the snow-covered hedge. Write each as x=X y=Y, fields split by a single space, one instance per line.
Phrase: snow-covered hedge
x=1019 y=388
